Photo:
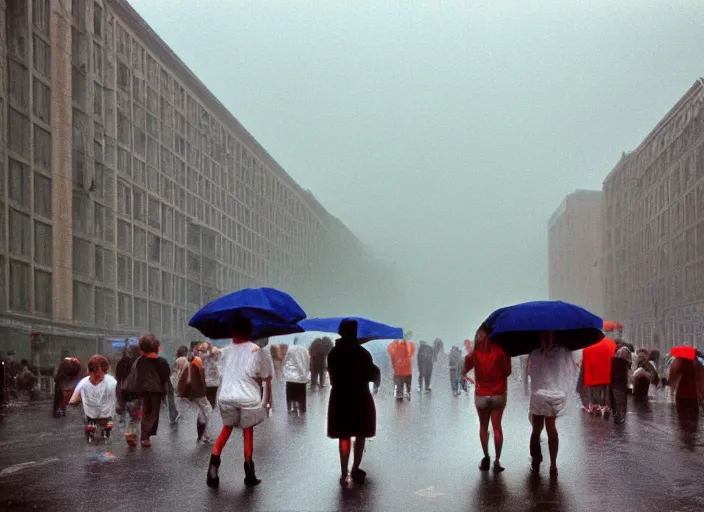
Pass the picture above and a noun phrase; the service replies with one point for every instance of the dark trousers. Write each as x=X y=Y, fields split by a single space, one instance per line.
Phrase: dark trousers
x=399 y=382
x=425 y=373
x=455 y=380
x=171 y=401
x=317 y=374
x=296 y=393
x=619 y=404
x=151 y=404
x=211 y=392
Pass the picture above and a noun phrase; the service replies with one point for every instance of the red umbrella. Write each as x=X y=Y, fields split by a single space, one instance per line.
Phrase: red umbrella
x=684 y=352
x=610 y=325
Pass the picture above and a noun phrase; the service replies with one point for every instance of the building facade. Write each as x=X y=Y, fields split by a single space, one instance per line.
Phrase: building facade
x=130 y=196
x=654 y=231
x=574 y=247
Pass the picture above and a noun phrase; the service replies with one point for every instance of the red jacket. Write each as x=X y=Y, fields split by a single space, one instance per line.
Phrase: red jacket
x=597 y=362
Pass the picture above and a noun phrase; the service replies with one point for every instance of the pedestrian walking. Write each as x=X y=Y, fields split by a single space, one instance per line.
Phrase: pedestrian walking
x=68 y=373
x=551 y=376
x=152 y=376
x=401 y=352
x=456 y=364
x=319 y=350
x=425 y=366
x=686 y=379
x=296 y=369
x=596 y=366
x=128 y=403
x=210 y=356
x=351 y=410
x=97 y=393
x=620 y=376
x=646 y=373
x=492 y=368
x=192 y=387
x=180 y=364
x=242 y=403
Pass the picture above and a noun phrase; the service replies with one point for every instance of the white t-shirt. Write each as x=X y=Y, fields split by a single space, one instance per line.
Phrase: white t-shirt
x=241 y=365
x=98 y=401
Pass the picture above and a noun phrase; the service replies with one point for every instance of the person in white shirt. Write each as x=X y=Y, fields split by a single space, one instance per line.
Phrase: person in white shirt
x=98 y=394
x=296 y=369
x=241 y=402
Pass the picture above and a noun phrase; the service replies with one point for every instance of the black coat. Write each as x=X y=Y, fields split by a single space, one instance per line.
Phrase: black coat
x=351 y=410
x=619 y=373
x=153 y=374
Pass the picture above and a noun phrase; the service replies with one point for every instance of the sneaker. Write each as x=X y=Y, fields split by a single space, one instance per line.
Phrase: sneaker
x=485 y=464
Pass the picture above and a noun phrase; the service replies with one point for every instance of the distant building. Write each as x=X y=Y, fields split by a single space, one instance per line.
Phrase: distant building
x=574 y=240
x=654 y=231
x=130 y=196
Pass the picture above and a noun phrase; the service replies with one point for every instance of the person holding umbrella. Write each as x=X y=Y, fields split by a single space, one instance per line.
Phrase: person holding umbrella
x=351 y=410
x=552 y=369
x=492 y=368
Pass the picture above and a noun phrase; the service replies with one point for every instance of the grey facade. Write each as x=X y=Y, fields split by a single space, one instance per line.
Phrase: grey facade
x=129 y=195
x=654 y=231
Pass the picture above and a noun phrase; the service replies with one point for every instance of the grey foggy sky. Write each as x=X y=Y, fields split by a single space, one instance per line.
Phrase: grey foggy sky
x=444 y=134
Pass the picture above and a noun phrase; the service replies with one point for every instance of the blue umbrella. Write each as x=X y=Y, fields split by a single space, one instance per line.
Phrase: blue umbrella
x=366 y=329
x=272 y=312
x=517 y=328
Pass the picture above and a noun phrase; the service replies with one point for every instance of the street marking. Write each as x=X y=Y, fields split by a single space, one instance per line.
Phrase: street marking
x=19 y=467
x=429 y=492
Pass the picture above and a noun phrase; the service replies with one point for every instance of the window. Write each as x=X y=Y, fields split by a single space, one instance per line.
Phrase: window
x=167 y=287
x=19 y=84
x=124 y=198
x=42 y=292
x=123 y=129
x=167 y=319
x=124 y=309
x=140 y=243
x=42 y=243
x=180 y=290
x=20 y=286
x=193 y=292
x=154 y=248
x=154 y=213
x=180 y=260
x=124 y=272
x=19 y=186
x=82 y=302
x=140 y=205
x=42 y=101
x=18 y=131
x=97 y=20
x=139 y=172
x=167 y=254
x=97 y=100
x=42 y=57
x=99 y=220
x=78 y=86
x=155 y=317
x=153 y=179
x=81 y=209
x=42 y=148
x=124 y=236
x=41 y=15
x=154 y=282
x=123 y=78
x=82 y=256
x=140 y=277
x=140 y=313
x=20 y=234
x=140 y=142
x=123 y=162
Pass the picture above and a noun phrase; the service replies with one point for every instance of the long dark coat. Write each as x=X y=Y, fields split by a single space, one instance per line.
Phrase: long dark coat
x=351 y=410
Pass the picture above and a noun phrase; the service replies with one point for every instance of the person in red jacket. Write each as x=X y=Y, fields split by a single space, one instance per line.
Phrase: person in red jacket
x=596 y=361
x=400 y=352
x=492 y=368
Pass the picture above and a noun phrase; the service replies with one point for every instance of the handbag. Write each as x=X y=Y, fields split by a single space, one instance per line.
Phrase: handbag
x=131 y=383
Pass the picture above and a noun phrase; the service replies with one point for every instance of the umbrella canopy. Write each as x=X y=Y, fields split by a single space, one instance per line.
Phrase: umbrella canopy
x=366 y=329
x=684 y=352
x=516 y=329
x=272 y=312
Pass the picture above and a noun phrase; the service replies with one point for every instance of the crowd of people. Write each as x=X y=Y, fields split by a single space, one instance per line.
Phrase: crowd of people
x=236 y=381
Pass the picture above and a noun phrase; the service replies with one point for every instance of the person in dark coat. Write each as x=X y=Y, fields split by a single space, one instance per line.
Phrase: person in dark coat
x=319 y=350
x=620 y=376
x=69 y=372
x=153 y=373
x=351 y=410
x=425 y=366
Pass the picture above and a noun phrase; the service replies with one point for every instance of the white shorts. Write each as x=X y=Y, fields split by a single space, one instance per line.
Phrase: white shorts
x=241 y=418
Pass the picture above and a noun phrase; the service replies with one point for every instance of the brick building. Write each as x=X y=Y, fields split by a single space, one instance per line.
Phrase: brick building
x=129 y=195
x=574 y=241
x=654 y=231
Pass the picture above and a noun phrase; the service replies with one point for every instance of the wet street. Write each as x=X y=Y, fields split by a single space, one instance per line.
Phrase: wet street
x=424 y=457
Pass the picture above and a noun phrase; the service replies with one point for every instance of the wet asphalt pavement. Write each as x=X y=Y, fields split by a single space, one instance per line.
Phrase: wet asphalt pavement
x=424 y=457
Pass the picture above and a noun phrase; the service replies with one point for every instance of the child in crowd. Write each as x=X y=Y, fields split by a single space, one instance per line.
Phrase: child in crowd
x=98 y=394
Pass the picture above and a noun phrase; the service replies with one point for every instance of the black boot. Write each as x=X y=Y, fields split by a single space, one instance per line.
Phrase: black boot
x=213 y=479
x=250 y=479
x=200 y=429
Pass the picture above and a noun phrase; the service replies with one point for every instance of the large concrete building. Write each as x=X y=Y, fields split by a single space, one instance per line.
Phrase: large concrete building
x=574 y=246
x=654 y=231
x=130 y=196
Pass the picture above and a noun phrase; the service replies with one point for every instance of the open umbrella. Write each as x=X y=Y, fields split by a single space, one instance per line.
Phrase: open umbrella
x=366 y=329
x=684 y=352
x=610 y=326
x=516 y=329
x=272 y=312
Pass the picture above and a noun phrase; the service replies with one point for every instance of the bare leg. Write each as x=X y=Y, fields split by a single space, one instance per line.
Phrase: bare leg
x=484 y=417
x=496 y=416
x=553 y=442
x=535 y=452
x=358 y=452
x=345 y=445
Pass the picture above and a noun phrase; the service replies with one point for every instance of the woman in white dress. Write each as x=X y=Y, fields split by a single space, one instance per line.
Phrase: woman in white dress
x=551 y=376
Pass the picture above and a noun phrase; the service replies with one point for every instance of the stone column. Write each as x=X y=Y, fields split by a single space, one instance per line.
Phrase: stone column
x=61 y=167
